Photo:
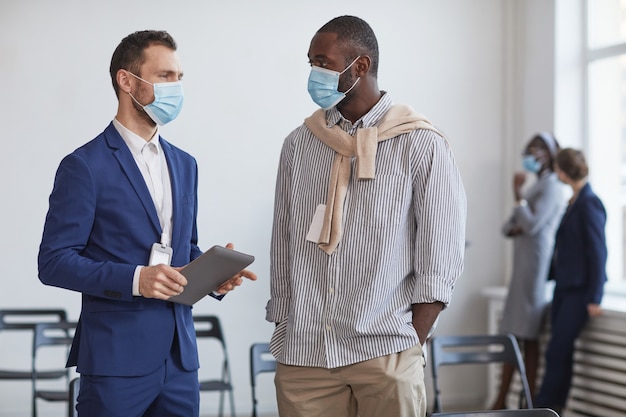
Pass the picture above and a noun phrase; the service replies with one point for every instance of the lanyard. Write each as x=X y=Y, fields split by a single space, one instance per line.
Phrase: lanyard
x=158 y=177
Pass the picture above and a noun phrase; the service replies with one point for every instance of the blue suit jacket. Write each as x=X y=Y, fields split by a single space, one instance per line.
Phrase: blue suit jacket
x=100 y=225
x=580 y=254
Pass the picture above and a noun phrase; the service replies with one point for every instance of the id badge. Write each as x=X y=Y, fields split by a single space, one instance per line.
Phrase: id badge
x=160 y=255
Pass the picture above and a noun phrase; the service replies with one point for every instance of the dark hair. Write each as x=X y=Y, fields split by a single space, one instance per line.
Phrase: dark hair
x=129 y=53
x=572 y=163
x=355 y=37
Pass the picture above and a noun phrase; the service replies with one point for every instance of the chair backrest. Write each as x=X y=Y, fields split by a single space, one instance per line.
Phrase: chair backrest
x=261 y=360
x=25 y=319
x=21 y=325
x=535 y=412
x=209 y=326
x=476 y=349
x=53 y=334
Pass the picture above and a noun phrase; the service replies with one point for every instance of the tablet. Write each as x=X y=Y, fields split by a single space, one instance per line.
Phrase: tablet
x=208 y=271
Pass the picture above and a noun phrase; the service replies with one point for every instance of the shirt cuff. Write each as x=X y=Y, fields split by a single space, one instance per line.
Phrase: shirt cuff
x=136 y=292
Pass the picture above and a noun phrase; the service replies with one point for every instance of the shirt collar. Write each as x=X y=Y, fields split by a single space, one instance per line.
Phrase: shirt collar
x=135 y=142
x=369 y=119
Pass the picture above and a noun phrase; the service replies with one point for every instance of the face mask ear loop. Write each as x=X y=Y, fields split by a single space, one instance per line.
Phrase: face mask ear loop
x=135 y=100
x=131 y=95
x=357 y=80
x=139 y=78
x=352 y=63
x=353 y=85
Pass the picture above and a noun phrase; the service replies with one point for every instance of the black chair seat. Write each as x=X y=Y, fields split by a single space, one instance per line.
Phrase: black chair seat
x=476 y=349
x=535 y=412
x=28 y=375
x=53 y=395
x=215 y=386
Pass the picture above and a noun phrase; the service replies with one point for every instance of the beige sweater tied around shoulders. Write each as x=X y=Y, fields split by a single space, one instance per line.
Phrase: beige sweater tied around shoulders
x=399 y=119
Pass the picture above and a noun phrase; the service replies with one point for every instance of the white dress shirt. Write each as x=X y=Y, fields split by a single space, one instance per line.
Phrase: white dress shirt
x=158 y=182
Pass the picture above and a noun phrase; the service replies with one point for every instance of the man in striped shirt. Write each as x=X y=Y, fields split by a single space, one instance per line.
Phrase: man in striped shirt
x=367 y=242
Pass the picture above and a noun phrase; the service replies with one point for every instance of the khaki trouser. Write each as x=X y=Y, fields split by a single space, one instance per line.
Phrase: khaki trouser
x=391 y=385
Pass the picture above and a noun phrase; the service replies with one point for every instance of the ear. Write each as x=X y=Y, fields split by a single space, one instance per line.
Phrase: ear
x=123 y=80
x=363 y=65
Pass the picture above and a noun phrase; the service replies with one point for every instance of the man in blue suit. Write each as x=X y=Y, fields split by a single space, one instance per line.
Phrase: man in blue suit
x=121 y=221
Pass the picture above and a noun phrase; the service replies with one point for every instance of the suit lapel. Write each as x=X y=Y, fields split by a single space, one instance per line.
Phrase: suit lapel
x=129 y=166
x=575 y=206
x=172 y=165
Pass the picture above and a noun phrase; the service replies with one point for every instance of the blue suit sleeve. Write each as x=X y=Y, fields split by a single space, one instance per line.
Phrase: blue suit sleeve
x=70 y=218
x=595 y=249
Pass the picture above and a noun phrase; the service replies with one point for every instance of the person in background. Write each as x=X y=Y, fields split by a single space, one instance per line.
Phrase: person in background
x=579 y=271
x=367 y=242
x=532 y=226
x=121 y=221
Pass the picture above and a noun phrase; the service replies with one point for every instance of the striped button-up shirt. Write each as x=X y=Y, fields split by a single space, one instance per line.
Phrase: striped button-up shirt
x=402 y=243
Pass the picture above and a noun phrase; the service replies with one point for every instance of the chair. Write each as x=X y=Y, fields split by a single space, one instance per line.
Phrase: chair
x=535 y=412
x=50 y=335
x=480 y=349
x=24 y=320
x=260 y=361
x=209 y=327
x=74 y=388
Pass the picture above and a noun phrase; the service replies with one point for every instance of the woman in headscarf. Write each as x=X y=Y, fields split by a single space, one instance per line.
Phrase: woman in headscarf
x=532 y=226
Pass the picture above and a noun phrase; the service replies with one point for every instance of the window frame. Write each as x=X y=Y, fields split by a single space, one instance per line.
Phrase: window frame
x=614 y=285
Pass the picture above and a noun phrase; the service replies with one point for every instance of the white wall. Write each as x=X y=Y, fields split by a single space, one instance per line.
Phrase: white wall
x=245 y=82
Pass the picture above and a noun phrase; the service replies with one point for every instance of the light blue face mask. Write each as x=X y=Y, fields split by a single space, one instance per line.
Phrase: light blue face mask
x=323 y=86
x=168 y=101
x=531 y=164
